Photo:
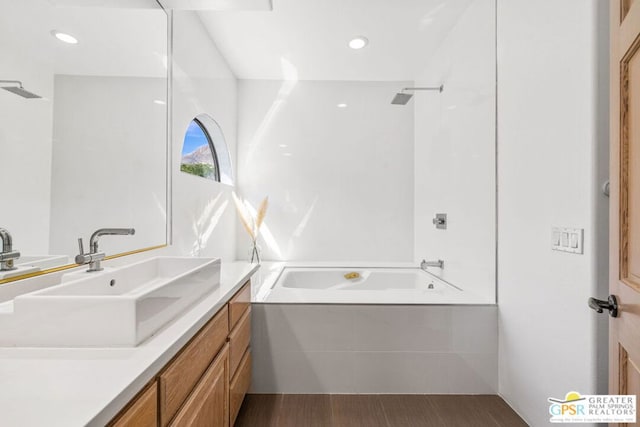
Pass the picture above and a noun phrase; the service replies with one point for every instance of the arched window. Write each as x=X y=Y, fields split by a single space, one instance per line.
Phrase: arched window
x=205 y=152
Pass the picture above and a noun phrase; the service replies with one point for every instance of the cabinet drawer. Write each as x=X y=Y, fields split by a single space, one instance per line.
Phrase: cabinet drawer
x=182 y=374
x=239 y=304
x=239 y=386
x=239 y=341
x=208 y=405
x=142 y=412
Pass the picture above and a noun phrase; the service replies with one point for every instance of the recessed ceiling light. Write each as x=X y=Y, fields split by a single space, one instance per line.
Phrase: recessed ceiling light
x=287 y=154
x=64 y=37
x=341 y=105
x=358 y=42
x=159 y=102
x=283 y=145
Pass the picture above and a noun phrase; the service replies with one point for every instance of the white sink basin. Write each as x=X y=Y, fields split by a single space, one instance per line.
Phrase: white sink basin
x=117 y=307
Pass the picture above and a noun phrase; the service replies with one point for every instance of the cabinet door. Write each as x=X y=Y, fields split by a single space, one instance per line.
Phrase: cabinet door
x=239 y=386
x=208 y=404
x=239 y=340
x=182 y=374
x=240 y=302
x=143 y=411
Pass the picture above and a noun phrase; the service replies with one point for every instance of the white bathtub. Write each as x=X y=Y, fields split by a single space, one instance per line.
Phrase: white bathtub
x=386 y=331
x=353 y=285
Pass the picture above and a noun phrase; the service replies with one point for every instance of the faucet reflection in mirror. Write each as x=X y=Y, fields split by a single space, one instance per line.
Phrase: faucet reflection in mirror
x=94 y=257
x=8 y=255
x=426 y=264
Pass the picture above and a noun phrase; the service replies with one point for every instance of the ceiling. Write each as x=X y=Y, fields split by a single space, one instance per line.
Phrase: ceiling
x=113 y=41
x=215 y=4
x=307 y=39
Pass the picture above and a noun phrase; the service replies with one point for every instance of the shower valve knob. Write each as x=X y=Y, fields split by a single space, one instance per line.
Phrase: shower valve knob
x=440 y=221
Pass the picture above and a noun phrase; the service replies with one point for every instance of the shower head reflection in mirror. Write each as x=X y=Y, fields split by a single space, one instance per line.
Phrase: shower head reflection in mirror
x=19 y=89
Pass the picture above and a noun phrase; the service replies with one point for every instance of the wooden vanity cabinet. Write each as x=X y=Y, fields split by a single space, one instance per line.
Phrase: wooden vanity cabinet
x=181 y=375
x=239 y=339
x=205 y=383
x=142 y=411
x=208 y=405
x=239 y=304
x=239 y=386
x=239 y=349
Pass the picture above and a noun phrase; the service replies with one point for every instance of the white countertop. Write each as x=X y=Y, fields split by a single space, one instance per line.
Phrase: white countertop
x=89 y=386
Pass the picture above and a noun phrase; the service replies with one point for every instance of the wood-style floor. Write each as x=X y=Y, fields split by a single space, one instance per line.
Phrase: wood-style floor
x=337 y=410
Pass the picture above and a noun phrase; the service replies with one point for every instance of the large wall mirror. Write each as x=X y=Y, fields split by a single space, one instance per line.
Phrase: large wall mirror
x=90 y=150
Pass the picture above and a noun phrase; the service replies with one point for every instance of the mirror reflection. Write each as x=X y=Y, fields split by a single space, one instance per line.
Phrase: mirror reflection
x=82 y=128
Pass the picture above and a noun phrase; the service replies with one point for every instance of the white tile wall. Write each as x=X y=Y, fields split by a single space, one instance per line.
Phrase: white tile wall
x=402 y=328
x=374 y=349
x=339 y=180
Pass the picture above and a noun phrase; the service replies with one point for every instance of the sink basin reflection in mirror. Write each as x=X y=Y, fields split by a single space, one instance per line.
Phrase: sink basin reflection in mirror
x=42 y=262
x=116 y=307
x=20 y=270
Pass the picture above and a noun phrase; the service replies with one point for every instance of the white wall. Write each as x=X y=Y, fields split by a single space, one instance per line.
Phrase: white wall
x=455 y=154
x=204 y=218
x=108 y=167
x=25 y=144
x=339 y=180
x=550 y=132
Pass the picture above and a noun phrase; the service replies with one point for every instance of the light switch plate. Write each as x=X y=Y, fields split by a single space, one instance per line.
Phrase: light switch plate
x=565 y=239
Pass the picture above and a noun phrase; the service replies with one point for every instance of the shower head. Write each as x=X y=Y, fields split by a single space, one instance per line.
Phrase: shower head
x=402 y=98
x=19 y=90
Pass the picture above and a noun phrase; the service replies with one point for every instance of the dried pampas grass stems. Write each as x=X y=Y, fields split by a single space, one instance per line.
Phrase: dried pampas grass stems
x=251 y=225
x=242 y=213
x=262 y=212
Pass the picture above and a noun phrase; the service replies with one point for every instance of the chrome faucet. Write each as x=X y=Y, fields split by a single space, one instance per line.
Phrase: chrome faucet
x=424 y=264
x=94 y=257
x=8 y=255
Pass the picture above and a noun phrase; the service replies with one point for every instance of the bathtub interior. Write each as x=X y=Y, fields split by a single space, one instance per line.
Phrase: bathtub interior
x=359 y=279
x=299 y=284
